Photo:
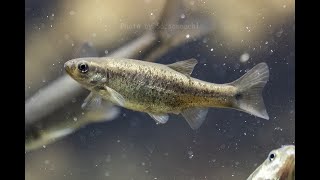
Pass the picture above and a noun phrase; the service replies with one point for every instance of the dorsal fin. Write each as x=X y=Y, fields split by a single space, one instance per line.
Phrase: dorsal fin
x=185 y=67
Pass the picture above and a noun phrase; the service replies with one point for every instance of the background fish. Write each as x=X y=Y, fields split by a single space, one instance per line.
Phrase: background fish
x=41 y=133
x=159 y=89
x=280 y=165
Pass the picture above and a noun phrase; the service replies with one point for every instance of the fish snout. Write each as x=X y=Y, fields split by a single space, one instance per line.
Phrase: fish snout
x=69 y=66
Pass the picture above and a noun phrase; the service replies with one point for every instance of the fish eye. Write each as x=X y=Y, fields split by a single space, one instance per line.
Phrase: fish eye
x=83 y=67
x=272 y=156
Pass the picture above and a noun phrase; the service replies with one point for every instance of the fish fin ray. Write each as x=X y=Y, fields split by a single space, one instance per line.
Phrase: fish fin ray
x=160 y=118
x=195 y=116
x=92 y=101
x=185 y=67
x=115 y=96
x=250 y=86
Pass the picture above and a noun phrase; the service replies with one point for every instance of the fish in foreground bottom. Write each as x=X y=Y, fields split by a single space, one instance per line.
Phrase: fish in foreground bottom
x=159 y=89
x=280 y=165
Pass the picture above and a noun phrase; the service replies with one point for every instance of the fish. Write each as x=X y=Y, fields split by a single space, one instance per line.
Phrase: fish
x=42 y=133
x=159 y=89
x=280 y=165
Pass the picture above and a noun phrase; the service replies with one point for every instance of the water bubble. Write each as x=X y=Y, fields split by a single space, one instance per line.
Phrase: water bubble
x=190 y=153
x=187 y=36
x=106 y=51
x=182 y=16
x=266 y=42
x=244 y=57
x=75 y=118
x=211 y=49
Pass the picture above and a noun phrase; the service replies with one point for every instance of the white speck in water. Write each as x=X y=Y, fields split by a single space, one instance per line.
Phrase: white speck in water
x=52 y=14
x=187 y=36
x=107 y=174
x=51 y=25
x=151 y=14
x=72 y=44
x=106 y=51
x=266 y=42
x=284 y=6
x=118 y=140
x=44 y=146
x=143 y=163
x=53 y=64
x=96 y=165
x=271 y=51
x=182 y=16
x=46 y=162
x=244 y=57
x=43 y=80
x=211 y=49
x=190 y=153
x=75 y=118
x=225 y=57
x=191 y=3
x=245 y=134
x=223 y=64
x=232 y=175
x=204 y=64
x=278 y=128
x=72 y=13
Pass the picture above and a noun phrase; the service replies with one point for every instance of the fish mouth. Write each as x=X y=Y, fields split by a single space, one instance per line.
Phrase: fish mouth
x=69 y=66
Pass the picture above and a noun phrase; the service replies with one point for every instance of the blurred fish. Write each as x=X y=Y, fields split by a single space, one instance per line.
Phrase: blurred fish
x=152 y=45
x=280 y=165
x=42 y=133
x=159 y=89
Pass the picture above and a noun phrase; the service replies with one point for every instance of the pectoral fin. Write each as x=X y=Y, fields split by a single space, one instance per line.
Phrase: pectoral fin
x=195 y=116
x=185 y=67
x=160 y=118
x=116 y=97
x=92 y=101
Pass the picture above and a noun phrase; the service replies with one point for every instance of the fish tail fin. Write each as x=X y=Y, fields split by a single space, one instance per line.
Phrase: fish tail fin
x=250 y=86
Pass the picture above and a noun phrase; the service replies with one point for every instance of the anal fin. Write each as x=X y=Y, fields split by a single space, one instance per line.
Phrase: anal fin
x=195 y=116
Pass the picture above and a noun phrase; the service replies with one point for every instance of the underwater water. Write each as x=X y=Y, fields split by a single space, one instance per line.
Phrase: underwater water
x=229 y=145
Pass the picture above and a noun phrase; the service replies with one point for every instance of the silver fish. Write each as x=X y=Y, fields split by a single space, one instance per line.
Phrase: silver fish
x=280 y=165
x=159 y=89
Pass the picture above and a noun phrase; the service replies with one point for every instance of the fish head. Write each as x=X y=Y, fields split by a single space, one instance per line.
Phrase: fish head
x=89 y=72
x=280 y=164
